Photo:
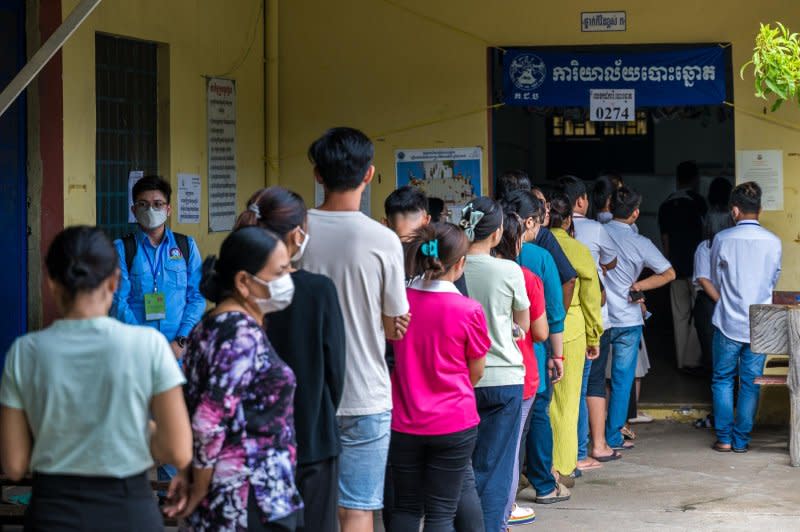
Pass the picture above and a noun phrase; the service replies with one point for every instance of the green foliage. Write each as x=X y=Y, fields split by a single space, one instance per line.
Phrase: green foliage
x=776 y=64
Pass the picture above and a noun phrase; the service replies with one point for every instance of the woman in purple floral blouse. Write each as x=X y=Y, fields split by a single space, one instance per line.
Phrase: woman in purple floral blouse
x=240 y=396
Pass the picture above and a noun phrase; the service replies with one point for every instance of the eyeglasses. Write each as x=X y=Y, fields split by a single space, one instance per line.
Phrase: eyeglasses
x=157 y=205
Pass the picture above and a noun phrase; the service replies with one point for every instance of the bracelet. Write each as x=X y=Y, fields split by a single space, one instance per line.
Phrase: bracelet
x=557 y=358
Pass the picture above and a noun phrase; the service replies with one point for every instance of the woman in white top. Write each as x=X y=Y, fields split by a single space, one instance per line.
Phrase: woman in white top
x=77 y=399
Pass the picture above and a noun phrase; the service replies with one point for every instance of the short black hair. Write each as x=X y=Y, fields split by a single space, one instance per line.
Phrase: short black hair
x=687 y=172
x=719 y=193
x=80 y=258
x=341 y=157
x=405 y=200
x=573 y=187
x=747 y=197
x=602 y=191
x=511 y=180
x=623 y=202
x=525 y=204
x=435 y=209
x=152 y=182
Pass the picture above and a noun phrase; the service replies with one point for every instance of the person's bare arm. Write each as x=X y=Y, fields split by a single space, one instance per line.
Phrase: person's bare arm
x=171 y=439
x=476 y=367
x=654 y=281
x=15 y=443
x=395 y=327
x=709 y=288
x=556 y=363
x=523 y=319
x=568 y=289
x=540 y=329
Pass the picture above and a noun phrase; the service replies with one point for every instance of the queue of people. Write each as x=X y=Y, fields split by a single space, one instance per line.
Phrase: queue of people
x=427 y=369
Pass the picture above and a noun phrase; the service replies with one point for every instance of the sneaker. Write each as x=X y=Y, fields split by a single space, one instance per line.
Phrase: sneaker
x=641 y=418
x=520 y=515
x=560 y=494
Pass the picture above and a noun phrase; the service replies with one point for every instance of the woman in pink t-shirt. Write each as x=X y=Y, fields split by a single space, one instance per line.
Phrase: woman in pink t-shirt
x=441 y=357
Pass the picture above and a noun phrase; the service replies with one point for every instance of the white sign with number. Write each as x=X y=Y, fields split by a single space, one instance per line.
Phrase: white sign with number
x=612 y=105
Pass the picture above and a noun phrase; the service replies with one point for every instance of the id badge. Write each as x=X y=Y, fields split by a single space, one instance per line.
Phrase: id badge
x=155 y=307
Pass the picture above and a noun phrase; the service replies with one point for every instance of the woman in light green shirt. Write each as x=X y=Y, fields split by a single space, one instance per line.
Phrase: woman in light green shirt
x=77 y=399
x=582 y=330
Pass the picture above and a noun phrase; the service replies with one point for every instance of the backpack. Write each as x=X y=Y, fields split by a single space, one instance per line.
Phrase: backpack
x=131 y=247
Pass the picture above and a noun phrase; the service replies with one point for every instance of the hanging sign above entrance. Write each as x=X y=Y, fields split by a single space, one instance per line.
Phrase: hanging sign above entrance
x=546 y=78
x=612 y=105
x=604 y=21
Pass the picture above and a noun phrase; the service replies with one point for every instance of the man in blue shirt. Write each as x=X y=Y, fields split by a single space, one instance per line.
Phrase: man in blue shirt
x=159 y=287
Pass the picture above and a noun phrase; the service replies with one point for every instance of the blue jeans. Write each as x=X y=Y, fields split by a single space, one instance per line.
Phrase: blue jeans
x=539 y=444
x=362 y=462
x=500 y=409
x=624 y=342
x=527 y=404
x=728 y=354
x=583 y=415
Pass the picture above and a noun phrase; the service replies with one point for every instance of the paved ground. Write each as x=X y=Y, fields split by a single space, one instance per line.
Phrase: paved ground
x=674 y=481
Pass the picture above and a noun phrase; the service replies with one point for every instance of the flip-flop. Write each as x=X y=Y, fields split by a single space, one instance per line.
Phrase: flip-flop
x=610 y=458
x=740 y=450
x=594 y=465
x=624 y=446
x=718 y=446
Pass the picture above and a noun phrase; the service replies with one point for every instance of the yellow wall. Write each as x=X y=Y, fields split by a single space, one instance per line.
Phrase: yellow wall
x=203 y=38
x=374 y=65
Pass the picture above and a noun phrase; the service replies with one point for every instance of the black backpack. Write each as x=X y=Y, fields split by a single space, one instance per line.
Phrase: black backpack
x=131 y=247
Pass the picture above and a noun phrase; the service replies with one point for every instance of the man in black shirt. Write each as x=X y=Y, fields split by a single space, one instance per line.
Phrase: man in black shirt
x=680 y=219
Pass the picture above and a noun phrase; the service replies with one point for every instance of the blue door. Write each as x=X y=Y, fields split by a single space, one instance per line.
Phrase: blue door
x=13 y=187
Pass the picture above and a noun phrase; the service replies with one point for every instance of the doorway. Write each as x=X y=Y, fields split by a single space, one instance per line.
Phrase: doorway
x=548 y=141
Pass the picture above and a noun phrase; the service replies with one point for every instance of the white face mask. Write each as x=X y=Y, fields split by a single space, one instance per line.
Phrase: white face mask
x=151 y=218
x=281 y=291
x=299 y=253
x=604 y=217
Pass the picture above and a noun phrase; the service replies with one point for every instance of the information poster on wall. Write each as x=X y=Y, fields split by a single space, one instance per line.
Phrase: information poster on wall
x=452 y=174
x=366 y=201
x=765 y=168
x=189 y=199
x=221 y=154
x=133 y=177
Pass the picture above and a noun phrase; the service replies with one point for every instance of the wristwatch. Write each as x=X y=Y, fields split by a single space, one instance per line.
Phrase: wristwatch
x=182 y=341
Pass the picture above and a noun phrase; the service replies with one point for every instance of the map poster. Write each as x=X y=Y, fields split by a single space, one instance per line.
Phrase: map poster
x=452 y=174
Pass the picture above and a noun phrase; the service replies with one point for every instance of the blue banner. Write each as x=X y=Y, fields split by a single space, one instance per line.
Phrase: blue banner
x=541 y=78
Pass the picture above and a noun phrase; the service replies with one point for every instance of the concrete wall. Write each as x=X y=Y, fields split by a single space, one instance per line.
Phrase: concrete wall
x=199 y=38
x=420 y=79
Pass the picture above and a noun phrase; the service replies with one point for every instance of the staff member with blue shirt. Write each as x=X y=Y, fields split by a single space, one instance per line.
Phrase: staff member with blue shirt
x=160 y=282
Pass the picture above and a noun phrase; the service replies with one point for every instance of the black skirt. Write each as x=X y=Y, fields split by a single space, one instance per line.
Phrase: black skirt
x=78 y=503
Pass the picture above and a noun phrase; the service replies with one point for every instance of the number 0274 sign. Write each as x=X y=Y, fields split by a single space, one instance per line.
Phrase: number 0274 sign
x=612 y=105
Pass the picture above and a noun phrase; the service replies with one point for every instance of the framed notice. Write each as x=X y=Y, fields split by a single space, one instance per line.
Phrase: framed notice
x=765 y=167
x=221 y=132
x=188 y=199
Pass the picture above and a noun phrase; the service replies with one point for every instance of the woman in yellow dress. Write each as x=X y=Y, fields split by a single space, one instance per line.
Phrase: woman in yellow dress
x=582 y=330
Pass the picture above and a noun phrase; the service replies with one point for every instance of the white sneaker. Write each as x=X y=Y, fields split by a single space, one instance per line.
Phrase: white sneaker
x=520 y=515
x=641 y=418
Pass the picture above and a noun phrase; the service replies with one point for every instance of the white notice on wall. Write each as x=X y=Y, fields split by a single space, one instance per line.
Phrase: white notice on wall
x=189 y=199
x=765 y=168
x=612 y=105
x=221 y=154
x=133 y=177
x=366 y=201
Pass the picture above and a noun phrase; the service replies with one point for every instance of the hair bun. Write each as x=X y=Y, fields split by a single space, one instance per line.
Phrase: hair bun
x=209 y=283
x=78 y=270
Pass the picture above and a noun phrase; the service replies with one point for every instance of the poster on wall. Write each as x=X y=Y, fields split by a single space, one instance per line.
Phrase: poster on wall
x=452 y=174
x=133 y=177
x=221 y=94
x=765 y=168
x=189 y=199
x=366 y=200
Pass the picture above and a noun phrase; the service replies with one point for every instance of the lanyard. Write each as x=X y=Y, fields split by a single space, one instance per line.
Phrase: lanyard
x=155 y=269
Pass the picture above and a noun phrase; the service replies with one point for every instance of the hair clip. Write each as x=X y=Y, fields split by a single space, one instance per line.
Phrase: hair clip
x=470 y=225
x=431 y=249
x=253 y=207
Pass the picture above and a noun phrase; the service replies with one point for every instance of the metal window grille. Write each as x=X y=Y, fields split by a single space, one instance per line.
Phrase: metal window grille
x=127 y=108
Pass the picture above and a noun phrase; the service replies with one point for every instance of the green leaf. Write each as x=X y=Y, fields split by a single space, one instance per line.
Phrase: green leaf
x=777 y=104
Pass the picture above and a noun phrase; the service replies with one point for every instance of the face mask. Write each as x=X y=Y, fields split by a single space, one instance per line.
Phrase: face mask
x=281 y=291
x=604 y=217
x=151 y=218
x=299 y=253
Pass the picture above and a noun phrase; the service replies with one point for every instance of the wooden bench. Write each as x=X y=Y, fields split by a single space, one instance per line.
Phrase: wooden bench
x=14 y=514
x=775 y=330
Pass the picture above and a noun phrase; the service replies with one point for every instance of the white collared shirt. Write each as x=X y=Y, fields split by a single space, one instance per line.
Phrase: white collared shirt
x=745 y=266
x=594 y=236
x=635 y=253
x=702 y=263
x=435 y=285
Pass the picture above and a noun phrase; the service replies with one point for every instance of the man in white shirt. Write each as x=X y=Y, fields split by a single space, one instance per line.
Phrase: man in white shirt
x=593 y=235
x=745 y=266
x=624 y=292
x=365 y=261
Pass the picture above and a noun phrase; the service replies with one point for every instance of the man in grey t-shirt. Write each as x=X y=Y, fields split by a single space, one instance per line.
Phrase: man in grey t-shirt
x=365 y=261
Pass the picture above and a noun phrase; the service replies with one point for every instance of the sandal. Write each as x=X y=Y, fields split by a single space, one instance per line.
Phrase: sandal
x=560 y=494
x=626 y=446
x=721 y=447
x=627 y=433
x=608 y=458
x=589 y=464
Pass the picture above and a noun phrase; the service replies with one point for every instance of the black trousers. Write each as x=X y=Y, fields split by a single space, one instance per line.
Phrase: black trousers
x=319 y=486
x=427 y=473
x=703 y=312
x=88 y=504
